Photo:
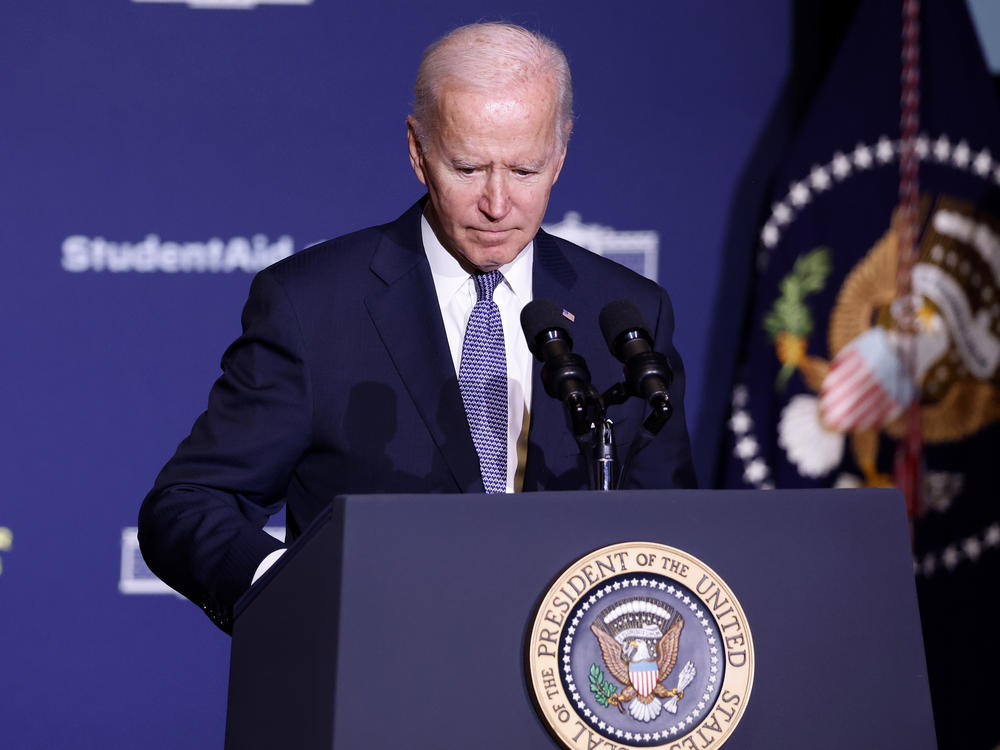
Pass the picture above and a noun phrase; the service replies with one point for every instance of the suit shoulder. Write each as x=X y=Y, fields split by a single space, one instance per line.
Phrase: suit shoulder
x=592 y=268
x=349 y=258
x=340 y=254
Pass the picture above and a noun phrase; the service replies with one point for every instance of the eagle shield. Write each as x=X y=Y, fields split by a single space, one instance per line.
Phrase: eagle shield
x=644 y=676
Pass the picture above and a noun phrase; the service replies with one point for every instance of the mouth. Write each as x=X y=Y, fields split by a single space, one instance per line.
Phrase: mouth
x=490 y=237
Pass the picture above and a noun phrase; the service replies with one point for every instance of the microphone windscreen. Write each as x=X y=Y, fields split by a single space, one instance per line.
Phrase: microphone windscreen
x=619 y=317
x=541 y=315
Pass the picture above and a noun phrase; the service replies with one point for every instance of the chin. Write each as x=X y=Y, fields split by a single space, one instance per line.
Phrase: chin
x=493 y=256
x=489 y=261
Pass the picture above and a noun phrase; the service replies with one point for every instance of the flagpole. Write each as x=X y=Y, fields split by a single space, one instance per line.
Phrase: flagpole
x=909 y=449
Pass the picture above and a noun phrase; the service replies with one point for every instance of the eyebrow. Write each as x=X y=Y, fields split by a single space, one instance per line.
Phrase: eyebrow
x=531 y=166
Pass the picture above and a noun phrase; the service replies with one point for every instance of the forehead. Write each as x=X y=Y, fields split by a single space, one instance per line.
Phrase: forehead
x=518 y=118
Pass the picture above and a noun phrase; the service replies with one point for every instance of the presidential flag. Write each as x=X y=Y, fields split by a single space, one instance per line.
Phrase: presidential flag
x=836 y=357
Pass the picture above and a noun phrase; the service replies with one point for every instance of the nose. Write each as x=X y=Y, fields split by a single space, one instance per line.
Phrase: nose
x=494 y=202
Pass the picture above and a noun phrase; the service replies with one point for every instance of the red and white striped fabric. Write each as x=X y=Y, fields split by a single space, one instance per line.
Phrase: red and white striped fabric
x=867 y=385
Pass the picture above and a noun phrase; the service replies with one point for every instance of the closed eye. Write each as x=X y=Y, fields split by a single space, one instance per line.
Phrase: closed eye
x=465 y=167
x=528 y=170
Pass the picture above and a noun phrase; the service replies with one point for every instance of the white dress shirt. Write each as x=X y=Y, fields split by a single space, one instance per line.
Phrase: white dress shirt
x=456 y=293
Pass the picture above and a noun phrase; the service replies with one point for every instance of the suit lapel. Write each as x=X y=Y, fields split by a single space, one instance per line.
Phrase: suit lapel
x=406 y=314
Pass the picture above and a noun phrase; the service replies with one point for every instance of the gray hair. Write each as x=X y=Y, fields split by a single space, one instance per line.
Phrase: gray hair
x=491 y=56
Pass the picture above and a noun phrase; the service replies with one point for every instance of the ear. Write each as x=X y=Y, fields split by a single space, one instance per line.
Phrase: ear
x=559 y=165
x=416 y=150
x=568 y=127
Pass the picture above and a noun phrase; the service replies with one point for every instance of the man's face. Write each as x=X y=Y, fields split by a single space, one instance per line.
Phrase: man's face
x=489 y=165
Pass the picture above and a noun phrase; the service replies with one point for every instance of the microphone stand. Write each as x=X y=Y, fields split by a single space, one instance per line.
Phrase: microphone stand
x=649 y=429
x=595 y=435
x=605 y=455
x=597 y=442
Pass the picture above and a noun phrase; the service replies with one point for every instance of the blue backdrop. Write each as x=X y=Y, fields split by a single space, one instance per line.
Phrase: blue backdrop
x=153 y=154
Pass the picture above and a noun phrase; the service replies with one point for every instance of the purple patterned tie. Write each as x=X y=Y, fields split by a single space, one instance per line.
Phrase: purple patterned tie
x=482 y=378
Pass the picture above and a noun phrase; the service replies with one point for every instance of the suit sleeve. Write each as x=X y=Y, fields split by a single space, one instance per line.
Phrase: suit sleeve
x=200 y=528
x=667 y=460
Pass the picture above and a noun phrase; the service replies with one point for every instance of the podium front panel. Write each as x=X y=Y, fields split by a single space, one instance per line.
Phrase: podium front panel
x=403 y=620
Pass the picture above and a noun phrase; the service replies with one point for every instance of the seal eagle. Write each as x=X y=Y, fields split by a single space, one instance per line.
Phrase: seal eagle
x=627 y=634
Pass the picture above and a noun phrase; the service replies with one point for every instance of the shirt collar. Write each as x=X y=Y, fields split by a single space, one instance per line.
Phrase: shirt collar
x=450 y=277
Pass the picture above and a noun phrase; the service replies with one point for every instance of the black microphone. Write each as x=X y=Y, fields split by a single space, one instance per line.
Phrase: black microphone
x=647 y=373
x=564 y=374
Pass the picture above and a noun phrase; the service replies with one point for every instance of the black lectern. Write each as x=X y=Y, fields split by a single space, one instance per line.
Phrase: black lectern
x=402 y=621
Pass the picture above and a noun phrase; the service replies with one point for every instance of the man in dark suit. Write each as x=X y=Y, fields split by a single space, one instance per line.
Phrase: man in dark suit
x=359 y=366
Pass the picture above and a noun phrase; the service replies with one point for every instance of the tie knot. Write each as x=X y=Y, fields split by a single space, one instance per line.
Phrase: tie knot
x=486 y=283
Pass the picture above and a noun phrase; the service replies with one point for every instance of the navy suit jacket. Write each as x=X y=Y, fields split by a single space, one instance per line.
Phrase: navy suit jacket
x=342 y=383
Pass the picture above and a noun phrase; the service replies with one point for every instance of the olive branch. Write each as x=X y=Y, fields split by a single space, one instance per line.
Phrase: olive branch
x=602 y=689
x=789 y=322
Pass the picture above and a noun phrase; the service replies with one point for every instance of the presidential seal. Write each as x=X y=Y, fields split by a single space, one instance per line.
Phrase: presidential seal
x=640 y=645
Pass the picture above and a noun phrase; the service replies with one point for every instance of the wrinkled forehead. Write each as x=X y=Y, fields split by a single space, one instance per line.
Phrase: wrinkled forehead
x=534 y=106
